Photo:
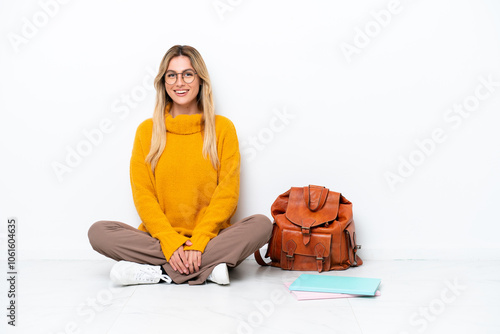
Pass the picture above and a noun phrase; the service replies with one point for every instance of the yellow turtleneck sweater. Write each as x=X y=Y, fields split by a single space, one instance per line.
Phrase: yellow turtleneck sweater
x=186 y=198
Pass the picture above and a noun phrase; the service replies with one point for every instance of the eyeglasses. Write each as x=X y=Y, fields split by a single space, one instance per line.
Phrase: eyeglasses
x=187 y=76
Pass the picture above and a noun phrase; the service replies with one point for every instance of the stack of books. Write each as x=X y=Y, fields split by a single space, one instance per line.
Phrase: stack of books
x=307 y=287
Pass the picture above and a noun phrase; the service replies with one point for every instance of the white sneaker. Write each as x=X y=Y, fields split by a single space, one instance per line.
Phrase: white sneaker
x=219 y=275
x=129 y=273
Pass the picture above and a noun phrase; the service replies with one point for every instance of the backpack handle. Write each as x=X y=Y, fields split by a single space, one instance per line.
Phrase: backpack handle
x=320 y=201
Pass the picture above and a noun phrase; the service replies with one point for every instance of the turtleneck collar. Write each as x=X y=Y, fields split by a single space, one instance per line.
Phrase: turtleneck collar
x=183 y=124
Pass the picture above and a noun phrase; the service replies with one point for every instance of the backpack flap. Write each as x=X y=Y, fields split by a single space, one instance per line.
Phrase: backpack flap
x=311 y=206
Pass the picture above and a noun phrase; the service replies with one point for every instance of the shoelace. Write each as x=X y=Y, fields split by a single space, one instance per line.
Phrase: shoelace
x=148 y=274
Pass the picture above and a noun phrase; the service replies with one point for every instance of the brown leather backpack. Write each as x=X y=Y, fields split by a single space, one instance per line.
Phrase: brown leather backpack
x=313 y=230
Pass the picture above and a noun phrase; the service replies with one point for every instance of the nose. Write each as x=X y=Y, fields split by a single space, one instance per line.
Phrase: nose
x=178 y=80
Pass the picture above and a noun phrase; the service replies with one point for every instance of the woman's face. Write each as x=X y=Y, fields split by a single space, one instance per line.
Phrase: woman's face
x=180 y=92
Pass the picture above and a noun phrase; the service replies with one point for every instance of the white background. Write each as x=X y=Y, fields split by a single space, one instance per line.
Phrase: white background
x=69 y=67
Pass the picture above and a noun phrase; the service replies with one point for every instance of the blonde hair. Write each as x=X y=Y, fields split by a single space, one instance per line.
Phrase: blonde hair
x=204 y=100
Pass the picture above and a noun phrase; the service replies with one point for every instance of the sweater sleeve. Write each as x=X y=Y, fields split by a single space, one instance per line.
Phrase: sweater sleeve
x=146 y=201
x=225 y=198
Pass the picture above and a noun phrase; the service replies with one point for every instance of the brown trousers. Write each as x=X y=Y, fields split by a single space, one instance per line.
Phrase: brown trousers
x=120 y=241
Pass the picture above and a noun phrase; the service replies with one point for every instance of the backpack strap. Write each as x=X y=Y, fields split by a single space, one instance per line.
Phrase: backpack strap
x=320 y=251
x=290 y=248
x=259 y=259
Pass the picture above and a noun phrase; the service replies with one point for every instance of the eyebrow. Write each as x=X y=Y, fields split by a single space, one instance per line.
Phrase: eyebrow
x=192 y=69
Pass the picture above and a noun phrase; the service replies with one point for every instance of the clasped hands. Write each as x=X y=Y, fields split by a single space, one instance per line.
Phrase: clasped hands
x=185 y=261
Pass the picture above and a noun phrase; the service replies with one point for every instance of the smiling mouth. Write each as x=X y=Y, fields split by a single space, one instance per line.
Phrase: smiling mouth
x=180 y=92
